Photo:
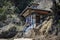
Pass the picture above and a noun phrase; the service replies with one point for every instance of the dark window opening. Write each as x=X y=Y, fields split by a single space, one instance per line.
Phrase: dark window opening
x=37 y=20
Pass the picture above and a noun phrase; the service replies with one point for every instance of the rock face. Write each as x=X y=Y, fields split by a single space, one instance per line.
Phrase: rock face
x=2 y=24
x=44 y=4
x=10 y=27
x=9 y=33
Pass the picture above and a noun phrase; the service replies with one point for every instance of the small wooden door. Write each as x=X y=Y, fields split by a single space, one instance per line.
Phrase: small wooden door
x=37 y=20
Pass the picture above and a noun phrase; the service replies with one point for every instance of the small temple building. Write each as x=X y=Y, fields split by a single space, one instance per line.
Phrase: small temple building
x=34 y=16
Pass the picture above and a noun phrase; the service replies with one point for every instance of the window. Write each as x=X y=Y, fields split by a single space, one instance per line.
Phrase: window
x=28 y=20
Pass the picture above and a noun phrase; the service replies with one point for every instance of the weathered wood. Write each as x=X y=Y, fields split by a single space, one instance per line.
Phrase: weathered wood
x=49 y=25
x=45 y=26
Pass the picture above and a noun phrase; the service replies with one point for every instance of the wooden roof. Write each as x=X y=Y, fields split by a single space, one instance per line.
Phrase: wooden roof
x=29 y=10
x=34 y=4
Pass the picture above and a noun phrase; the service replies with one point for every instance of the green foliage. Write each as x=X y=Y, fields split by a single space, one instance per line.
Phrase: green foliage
x=21 y=4
x=58 y=5
x=7 y=8
x=59 y=21
x=2 y=14
x=1 y=10
x=2 y=17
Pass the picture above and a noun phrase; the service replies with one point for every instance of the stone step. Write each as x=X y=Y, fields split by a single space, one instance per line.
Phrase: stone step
x=23 y=39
